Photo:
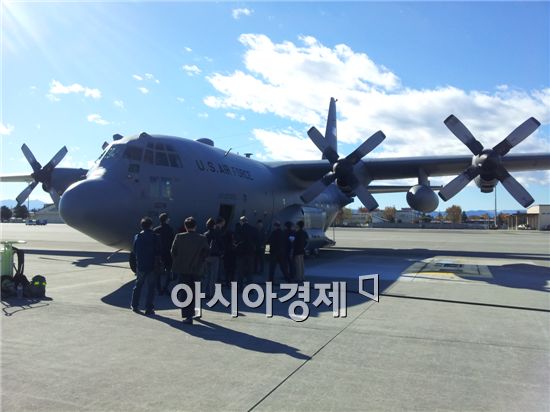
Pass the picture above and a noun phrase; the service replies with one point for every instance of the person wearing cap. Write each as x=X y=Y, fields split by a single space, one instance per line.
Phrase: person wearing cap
x=189 y=252
x=278 y=252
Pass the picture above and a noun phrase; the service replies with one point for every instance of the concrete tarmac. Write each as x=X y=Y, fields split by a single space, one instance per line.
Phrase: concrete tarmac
x=463 y=323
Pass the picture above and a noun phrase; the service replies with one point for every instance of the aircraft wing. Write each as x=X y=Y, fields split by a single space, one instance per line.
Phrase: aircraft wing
x=16 y=178
x=304 y=173
x=400 y=168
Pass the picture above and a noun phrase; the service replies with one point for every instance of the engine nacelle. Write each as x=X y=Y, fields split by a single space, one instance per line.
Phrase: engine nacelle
x=486 y=185
x=422 y=199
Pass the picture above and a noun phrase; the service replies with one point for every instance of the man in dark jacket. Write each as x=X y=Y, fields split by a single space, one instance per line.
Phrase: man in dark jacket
x=278 y=252
x=214 y=238
x=166 y=234
x=146 y=248
x=245 y=248
x=260 y=247
x=290 y=235
x=189 y=252
x=300 y=241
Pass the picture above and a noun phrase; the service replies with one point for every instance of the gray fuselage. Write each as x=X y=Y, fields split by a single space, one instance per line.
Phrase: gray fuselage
x=147 y=175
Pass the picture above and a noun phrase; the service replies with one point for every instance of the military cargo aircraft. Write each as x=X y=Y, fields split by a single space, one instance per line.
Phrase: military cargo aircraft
x=149 y=174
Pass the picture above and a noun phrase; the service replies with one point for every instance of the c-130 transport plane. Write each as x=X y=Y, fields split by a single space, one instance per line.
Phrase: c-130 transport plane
x=148 y=174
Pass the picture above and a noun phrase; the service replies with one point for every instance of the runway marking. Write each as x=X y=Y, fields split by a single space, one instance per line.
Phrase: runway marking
x=442 y=267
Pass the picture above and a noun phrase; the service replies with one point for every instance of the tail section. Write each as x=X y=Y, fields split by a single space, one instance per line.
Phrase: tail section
x=330 y=133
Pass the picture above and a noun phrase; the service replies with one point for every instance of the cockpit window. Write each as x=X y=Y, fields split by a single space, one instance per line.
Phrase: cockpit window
x=170 y=148
x=148 y=158
x=113 y=152
x=161 y=159
x=159 y=146
x=133 y=153
x=174 y=160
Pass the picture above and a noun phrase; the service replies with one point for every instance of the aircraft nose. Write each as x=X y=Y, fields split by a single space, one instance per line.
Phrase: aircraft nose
x=98 y=208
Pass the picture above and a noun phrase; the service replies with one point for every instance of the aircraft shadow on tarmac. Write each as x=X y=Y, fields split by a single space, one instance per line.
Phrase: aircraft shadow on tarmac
x=86 y=258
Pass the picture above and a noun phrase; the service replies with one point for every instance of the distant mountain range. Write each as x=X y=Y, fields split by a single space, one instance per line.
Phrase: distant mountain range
x=33 y=204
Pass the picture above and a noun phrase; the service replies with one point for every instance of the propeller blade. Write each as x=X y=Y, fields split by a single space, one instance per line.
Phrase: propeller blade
x=317 y=138
x=463 y=134
x=25 y=193
x=57 y=158
x=517 y=136
x=365 y=197
x=368 y=146
x=459 y=183
x=322 y=144
x=317 y=188
x=30 y=158
x=55 y=196
x=515 y=188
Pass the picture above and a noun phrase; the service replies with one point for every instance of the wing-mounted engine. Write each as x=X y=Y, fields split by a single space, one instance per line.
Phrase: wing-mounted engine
x=344 y=169
x=422 y=198
x=486 y=167
x=54 y=180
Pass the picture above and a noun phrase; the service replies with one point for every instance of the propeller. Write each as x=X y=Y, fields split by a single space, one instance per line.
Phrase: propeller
x=487 y=163
x=343 y=169
x=41 y=174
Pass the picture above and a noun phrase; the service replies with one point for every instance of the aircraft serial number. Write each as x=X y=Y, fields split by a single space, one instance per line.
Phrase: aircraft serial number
x=223 y=169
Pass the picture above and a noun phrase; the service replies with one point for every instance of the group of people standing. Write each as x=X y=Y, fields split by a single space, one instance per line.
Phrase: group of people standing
x=220 y=255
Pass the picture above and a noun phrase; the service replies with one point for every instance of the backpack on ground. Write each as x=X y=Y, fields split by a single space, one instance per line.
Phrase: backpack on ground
x=37 y=287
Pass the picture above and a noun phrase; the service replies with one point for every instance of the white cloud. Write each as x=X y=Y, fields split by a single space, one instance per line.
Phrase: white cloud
x=96 y=118
x=6 y=129
x=191 y=69
x=295 y=82
x=149 y=76
x=145 y=77
x=57 y=88
x=533 y=177
x=180 y=99
x=119 y=104
x=234 y=116
x=238 y=13
x=188 y=49
x=143 y=90
x=203 y=115
x=52 y=98
x=286 y=145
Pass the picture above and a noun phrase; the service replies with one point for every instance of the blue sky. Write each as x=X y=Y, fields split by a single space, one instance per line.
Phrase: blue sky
x=255 y=76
